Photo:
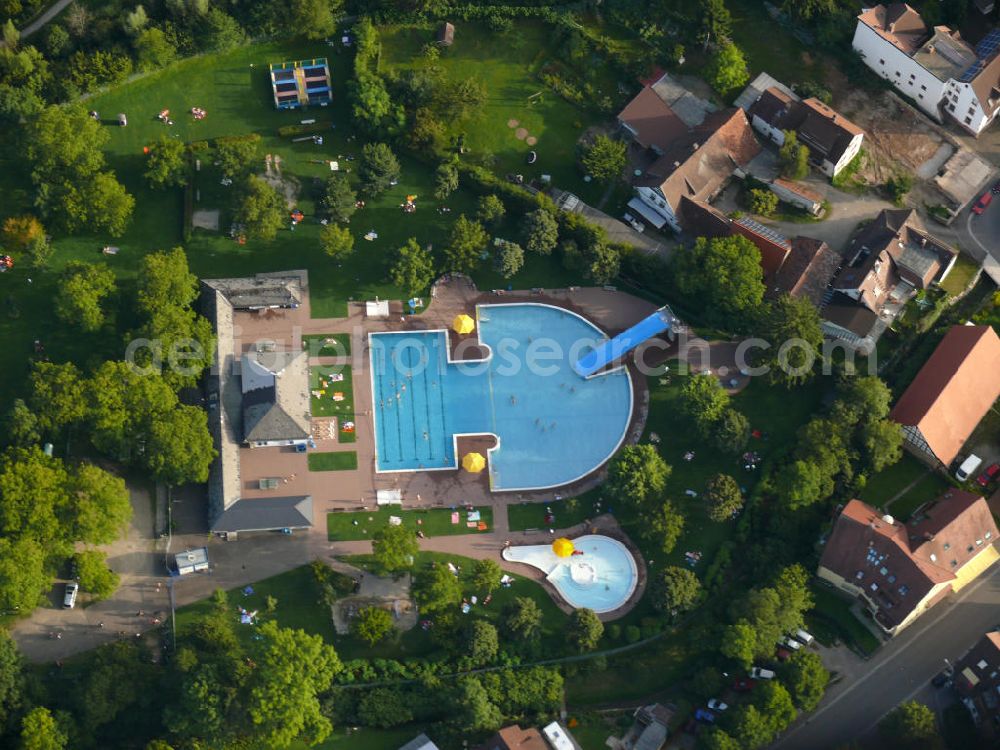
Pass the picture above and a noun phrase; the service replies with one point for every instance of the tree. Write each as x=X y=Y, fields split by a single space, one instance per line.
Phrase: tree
x=315 y=18
x=727 y=70
x=792 y=328
x=739 y=643
x=23 y=577
x=724 y=275
x=724 y=497
x=394 y=548
x=716 y=23
x=603 y=262
x=56 y=40
x=39 y=252
x=806 y=678
x=637 y=474
x=522 y=619
x=775 y=704
x=339 y=199
x=11 y=677
x=413 y=269
x=714 y=738
x=731 y=432
x=663 y=526
x=11 y=36
x=806 y=10
x=476 y=713
x=486 y=575
x=445 y=179
x=98 y=505
x=21 y=425
x=372 y=624
x=56 y=397
x=675 y=589
x=801 y=483
x=384 y=707
x=165 y=280
x=540 y=231
x=763 y=201
x=604 y=159
x=510 y=259
x=260 y=208
x=898 y=186
x=910 y=726
x=490 y=210
x=108 y=206
x=221 y=31
x=337 y=241
x=793 y=157
x=584 y=630
x=94 y=574
x=751 y=728
x=235 y=154
x=703 y=401
x=135 y=21
x=39 y=731
x=480 y=642
x=20 y=231
x=83 y=288
x=466 y=244
x=882 y=443
x=180 y=449
x=379 y=168
x=154 y=49
x=436 y=589
x=166 y=163
x=293 y=670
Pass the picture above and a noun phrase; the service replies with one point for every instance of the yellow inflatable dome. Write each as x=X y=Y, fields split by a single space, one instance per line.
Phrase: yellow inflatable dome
x=562 y=547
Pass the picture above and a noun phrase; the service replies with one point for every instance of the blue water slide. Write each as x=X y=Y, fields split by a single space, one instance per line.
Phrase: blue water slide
x=594 y=361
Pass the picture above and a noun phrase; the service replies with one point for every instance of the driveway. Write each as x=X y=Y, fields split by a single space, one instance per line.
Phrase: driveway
x=901 y=670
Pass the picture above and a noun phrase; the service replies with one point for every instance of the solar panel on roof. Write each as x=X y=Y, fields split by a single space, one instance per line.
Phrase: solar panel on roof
x=985 y=51
x=764 y=231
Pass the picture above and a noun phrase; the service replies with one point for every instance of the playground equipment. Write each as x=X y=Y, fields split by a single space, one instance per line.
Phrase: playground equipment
x=663 y=320
x=301 y=83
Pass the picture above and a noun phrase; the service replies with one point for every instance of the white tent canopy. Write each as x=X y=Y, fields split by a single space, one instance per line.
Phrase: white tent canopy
x=377 y=309
x=388 y=497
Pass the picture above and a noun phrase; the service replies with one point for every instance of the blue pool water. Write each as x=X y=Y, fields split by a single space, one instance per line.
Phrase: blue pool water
x=553 y=426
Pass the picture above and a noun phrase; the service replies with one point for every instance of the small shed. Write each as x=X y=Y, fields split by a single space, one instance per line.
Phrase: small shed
x=377 y=309
x=191 y=561
x=446 y=34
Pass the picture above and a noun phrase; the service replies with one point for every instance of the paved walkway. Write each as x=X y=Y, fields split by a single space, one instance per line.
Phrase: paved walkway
x=51 y=12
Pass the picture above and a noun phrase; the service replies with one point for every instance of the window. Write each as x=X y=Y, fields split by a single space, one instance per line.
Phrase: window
x=920 y=96
x=968 y=120
x=972 y=110
x=989 y=534
x=954 y=563
x=947 y=546
x=969 y=548
x=951 y=107
x=881 y=62
x=933 y=557
x=922 y=87
x=912 y=76
x=898 y=74
x=979 y=542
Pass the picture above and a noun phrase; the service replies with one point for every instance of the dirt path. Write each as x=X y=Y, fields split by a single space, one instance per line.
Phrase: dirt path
x=53 y=10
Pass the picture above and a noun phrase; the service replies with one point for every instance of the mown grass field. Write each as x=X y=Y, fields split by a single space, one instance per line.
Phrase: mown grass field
x=924 y=485
x=431 y=521
x=333 y=461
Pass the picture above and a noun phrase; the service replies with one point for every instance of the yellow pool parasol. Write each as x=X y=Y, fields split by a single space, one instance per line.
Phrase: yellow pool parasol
x=463 y=324
x=473 y=462
x=562 y=547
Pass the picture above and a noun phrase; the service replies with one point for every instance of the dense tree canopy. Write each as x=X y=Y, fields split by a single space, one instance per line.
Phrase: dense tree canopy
x=703 y=401
x=540 y=231
x=637 y=475
x=83 y=289
x=910 y=726
x=675 y=589
x=724 y=497
x=394 y=548
x=722 y=276
x=95 y=576
x=604 y=159
x=466 y=244
x=339 y=198
x=372 y=624
x=413 y=269
x=261 y=208
x=166 y=163
x=584 y=630
x=521 y=619
x=436 y=589
x=379 y=168
x=792 y=328
x=727 y=70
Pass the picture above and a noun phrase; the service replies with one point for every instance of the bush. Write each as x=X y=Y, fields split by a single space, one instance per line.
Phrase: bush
x=614 y=631
x=763 y=202
x=632 y=634
x=898 y=187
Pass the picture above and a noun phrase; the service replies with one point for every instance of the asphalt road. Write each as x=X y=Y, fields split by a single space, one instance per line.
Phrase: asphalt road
x=901 y=669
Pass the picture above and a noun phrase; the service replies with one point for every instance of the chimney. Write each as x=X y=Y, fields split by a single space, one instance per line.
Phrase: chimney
x=892 y=27
x=888 y=519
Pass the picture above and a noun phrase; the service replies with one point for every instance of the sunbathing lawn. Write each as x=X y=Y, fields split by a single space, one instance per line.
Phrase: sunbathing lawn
x=234 y=89
x=567 y=513
x=327 y=344
x=325 y=406
x=334 y=461
x=432 y=521
x=507 y=64
x=960 y=276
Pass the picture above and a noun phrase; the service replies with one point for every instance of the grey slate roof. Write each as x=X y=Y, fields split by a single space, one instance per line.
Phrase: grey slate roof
x=266 y=514
x=420 y=742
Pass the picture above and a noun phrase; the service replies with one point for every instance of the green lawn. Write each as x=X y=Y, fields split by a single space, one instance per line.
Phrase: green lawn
x=508 y=65
x=327 y=344
x=773 y=410
x=233 y=87
x=365 y=738
x=832 y=616
x=325 y=405
x=335 y=461
x=432 y=521
x=960 y=276
x=298 y=598
x=885 y=485
x=566 y=513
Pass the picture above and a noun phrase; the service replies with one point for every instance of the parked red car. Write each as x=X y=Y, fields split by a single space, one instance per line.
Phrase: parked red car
x=982 y=203
x=989 y=475
x=744 y=685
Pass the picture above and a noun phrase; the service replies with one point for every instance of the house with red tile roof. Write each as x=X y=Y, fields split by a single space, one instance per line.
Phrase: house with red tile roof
x=676 y=158
x=900 y=570
x=951 y=394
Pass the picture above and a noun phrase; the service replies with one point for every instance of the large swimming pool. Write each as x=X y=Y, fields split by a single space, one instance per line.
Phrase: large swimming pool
x=553 y=426
x=601 y=575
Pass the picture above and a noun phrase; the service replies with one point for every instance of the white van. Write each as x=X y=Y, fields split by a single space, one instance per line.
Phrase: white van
x=791 y=643
x=968 y=467
x=69 y=599
x=761 y=674
x=804 y=636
